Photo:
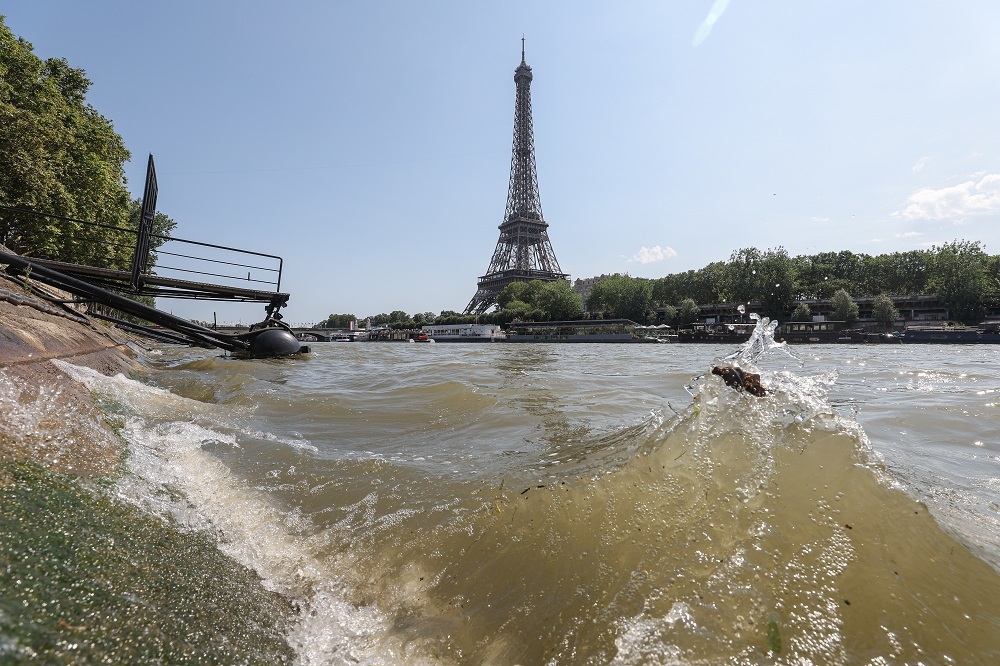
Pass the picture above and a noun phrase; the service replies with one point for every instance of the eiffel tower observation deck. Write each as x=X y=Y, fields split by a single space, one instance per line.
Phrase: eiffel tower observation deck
x=524 y=252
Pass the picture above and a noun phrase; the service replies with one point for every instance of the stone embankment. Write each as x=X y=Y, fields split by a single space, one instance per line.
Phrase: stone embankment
x=46 y=416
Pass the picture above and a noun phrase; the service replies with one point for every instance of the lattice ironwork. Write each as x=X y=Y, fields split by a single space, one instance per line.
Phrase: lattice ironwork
x=524 y=252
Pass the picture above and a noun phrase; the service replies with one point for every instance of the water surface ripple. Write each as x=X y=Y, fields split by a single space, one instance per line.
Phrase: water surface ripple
x=574 y=504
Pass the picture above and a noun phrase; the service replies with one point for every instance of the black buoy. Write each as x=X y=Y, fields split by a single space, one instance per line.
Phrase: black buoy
x=274 y=342
x=270 y=339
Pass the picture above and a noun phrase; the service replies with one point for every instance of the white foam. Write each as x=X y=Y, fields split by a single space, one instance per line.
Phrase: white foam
x=171 y=474
x=42 y=416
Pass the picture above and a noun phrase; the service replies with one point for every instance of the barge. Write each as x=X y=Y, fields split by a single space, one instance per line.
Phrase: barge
x=464 y=333
x=587 y=330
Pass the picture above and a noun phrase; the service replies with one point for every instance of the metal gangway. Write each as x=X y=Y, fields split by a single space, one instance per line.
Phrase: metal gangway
x=236 y=275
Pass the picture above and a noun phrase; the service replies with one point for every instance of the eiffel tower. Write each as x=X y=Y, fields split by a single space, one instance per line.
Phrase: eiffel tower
x=523 y=252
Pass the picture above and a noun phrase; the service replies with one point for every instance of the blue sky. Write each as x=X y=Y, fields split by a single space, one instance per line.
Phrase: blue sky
x=368 y=144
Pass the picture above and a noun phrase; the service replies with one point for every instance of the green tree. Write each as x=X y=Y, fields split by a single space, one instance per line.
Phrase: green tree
x=960 y=277
x=767 y=278
x=337 y=321
x=884 y=311
x=993 y=273
x=802 y=313
x=744 y=283
x=524 y=292
x=58 y=156
x=817 y=278
x=448 y=317
x=519 y=310
x=843 y=308
x=663 y=291
x=558 y=300
x=539 y=300
x=622 y=296
x=777 y=282
x=712 y=284
x=669 y=315
x=687 y=311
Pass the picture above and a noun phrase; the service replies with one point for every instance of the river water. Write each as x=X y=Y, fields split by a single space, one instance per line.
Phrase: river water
x=588 y=504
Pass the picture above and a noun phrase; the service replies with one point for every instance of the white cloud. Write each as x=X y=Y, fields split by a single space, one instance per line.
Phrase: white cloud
x=921 y=163
x=909 y=234
x=955 y=202
x=649 y=255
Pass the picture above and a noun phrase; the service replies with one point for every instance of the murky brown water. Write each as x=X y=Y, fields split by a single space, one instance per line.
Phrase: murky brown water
x=574 y=504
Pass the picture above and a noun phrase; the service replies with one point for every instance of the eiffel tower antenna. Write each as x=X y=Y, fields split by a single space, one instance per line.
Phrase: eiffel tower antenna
x=524 y=252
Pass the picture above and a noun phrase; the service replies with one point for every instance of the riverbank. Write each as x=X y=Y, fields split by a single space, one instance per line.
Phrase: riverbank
x=87 y=576
x=49 y=418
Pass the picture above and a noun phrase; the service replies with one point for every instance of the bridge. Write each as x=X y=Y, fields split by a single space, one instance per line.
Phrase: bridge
x=309 y=334
x=343 y=334
x=328 y=334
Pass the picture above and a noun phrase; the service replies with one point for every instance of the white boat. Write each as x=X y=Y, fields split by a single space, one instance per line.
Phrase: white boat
x=464 y=333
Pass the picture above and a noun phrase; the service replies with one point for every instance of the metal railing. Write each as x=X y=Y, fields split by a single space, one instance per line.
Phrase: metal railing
x=182 y=277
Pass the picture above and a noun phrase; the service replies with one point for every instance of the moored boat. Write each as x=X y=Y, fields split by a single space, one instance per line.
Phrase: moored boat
x=464 y=333
x=587 y=330
x=819 y=332
x=720 y=333
x=987 y=332
x=826 y=332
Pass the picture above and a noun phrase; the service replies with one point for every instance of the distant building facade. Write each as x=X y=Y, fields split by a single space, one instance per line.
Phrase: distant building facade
x=583 y=286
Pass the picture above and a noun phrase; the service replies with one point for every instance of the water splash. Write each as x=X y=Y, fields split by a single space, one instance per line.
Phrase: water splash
x=761 y=341
x=750 y=352
x=173 y=475
x=46 y=423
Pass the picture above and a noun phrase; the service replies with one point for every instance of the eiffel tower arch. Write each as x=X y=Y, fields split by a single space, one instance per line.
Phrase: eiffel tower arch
x=524 y=252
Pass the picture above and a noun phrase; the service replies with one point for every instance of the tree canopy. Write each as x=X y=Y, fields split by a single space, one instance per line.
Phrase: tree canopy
x=59 y=156
x=622 y=297
x=802 y=312
x=884 y=311
x=337 y=321
x=960 y=274
x=843 y=308
x=550 y=300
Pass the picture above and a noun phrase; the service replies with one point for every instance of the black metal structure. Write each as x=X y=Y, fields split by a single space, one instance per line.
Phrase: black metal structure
x=107 y=287
x=268 y=339
x=140 y=258
x=173 y=281
x=524 y=252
